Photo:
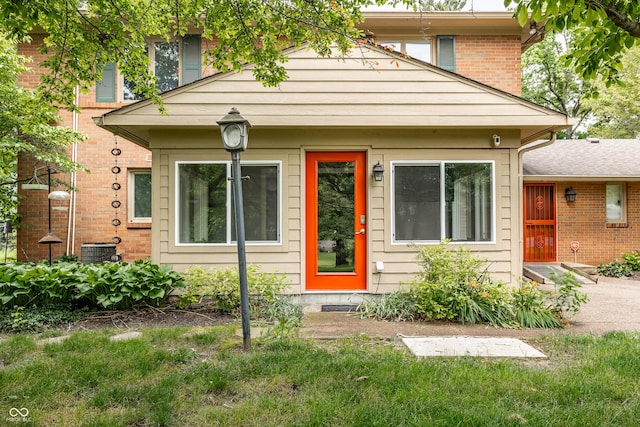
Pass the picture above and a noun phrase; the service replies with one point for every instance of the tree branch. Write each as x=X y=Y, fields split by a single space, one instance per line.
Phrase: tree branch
x=614 y=11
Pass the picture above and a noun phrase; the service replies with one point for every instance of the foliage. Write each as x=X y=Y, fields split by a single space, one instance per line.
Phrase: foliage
x=397 y=306
x=25 y=126
x=82 y=37
x=567 y=297
x=616 y=110
x=454 y=285
x=101 y=285
x=603 y=30
x=548 y=80
x=36 y=318
x=630 y=263
x=222 y=286
x=442 y=5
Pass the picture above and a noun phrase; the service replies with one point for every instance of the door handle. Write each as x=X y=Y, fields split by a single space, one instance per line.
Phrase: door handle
x=359 y=232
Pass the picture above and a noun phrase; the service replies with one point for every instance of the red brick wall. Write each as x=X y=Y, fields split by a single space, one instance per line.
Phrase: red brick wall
x=584 y=221
x=94 y=212
x=492 y=60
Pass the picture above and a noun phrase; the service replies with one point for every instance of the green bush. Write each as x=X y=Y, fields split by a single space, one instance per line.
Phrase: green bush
x=102 y=285
x=454 y=285
x=632 y=259
x=222 y=286
x=615 y=268
x=36 y=318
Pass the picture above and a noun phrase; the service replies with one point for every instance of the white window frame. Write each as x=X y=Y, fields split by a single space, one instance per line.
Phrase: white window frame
x=132 y=196
x=400 y=45
x=229 y=201
x=441 y=164
x=623 y=203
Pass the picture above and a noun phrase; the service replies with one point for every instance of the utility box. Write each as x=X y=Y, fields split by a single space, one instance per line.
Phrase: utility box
x=97 y=252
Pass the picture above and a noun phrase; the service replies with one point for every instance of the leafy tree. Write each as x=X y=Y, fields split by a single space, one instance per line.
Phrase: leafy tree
x=26 y=126
x=617 y=109
x=547 y=79
x=604 y=30
x=443 y=5
x=83 y=36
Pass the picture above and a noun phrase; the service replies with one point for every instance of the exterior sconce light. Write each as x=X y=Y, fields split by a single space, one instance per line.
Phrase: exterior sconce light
x=570 y=195
x=378 y=172
x=235 y=136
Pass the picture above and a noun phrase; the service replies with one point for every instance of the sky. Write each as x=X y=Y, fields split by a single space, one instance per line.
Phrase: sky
x=477 y=5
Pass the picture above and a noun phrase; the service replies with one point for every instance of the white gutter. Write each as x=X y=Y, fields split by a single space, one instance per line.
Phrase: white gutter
x=521 y=152
x=71 y=226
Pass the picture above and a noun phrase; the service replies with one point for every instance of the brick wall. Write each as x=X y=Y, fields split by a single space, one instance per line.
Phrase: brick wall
x=584 y=221
x=492 y=60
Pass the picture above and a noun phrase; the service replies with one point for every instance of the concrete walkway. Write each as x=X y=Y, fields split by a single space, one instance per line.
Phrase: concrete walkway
x=614 y=305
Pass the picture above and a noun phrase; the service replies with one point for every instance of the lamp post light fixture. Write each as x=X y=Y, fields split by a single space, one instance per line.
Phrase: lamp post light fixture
x=51 y=238
x=378 y=172
x=235 y=136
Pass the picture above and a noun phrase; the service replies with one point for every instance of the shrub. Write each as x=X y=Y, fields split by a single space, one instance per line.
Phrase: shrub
x=632 y=259
x=615 y=269
x=102 y=285
x=454 y=285
x=36 y=318
x=222 y=286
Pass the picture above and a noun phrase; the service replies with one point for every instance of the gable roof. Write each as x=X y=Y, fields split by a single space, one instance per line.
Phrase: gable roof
x=370 y=87
x=593 y=159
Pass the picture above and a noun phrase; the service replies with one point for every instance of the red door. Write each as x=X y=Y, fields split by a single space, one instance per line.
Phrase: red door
x=539 y=223
x=335 y=221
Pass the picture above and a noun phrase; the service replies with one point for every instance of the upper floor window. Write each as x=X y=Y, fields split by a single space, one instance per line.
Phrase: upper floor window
x=173 y=63
x=616 y=203
x=444 y=57
x=437 y=200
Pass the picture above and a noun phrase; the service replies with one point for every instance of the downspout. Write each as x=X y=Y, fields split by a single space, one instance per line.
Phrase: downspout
x=71 y=226
x=521 y=152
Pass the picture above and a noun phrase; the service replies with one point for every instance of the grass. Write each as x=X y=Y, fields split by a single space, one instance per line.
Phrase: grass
x=200 y=377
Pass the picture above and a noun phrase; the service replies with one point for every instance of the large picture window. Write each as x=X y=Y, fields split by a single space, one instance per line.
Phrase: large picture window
x=438 y=200
x=205 y=203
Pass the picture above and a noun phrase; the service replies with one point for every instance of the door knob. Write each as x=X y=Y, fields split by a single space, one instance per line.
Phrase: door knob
x=359 y=232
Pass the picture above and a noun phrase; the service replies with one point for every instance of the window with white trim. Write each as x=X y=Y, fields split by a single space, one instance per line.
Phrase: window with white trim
x=418 y=49
x=616 y=203
x=140 y=195
x=432 y=201
x=205 y=202
x=173 y=63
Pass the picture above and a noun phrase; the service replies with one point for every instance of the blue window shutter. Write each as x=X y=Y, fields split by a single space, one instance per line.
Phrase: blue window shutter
x=106 y=88
x=191 y=58
x=447 y=52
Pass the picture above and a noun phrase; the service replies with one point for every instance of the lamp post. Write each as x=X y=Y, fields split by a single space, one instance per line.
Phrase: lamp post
x=51 y=238
x=235 y=136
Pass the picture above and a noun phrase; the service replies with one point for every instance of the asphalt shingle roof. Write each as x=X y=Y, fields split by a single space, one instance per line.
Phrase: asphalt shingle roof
x=585 y=158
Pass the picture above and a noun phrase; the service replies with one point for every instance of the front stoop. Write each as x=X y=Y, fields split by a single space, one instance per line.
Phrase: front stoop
x=541 y=272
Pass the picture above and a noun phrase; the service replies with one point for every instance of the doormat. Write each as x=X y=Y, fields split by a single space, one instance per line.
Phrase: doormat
x=339 y=307
x=470 y=346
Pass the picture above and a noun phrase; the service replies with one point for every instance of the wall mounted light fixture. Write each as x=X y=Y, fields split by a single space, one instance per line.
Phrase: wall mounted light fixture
x=570 y=195
x=378 y=172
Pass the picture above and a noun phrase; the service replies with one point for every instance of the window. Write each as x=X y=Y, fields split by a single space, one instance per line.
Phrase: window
x=416 y=49
x=205 y=203
x=447 y=53
x=173 y=63
x=438 y=200
x=140 y=196
x=616 y=203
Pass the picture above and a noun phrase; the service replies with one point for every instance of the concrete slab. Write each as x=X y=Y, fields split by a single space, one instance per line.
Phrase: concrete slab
x=126 y=336
x=470 y=346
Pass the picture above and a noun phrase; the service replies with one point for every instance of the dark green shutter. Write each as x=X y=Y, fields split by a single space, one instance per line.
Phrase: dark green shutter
x=191 y=58
x=106 y=88
x=447 y=52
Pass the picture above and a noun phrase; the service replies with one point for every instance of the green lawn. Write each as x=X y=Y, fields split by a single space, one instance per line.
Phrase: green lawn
x=200 y=377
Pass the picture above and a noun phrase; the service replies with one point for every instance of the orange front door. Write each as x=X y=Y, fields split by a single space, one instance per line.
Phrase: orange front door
x=539 y=223
x=336 y=222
